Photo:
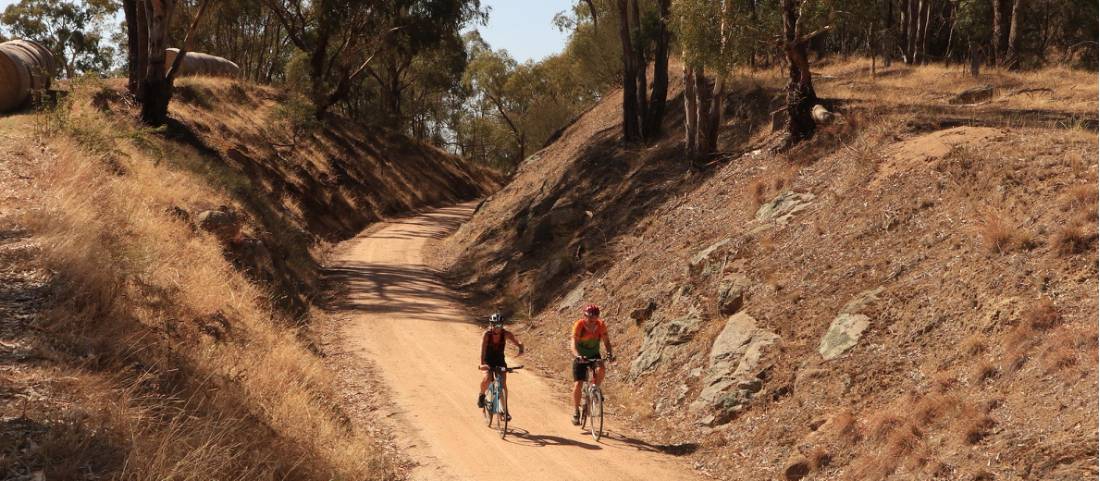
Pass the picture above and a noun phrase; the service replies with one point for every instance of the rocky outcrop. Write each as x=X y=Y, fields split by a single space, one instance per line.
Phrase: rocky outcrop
x=784 y=206
x=224 y=223
x=642 y=314
x=732 y=290
x=660 y=338
x=848 y=326
x=733 y=371
x=973 y=95
x=700 y=263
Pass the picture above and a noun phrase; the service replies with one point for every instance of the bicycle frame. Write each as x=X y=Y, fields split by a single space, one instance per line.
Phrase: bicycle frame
x=495 y=392
x=593 y=396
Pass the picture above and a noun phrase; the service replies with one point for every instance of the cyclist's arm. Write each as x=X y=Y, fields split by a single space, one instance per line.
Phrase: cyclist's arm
x=484 y=345
x=512 y=337
x=607 y=344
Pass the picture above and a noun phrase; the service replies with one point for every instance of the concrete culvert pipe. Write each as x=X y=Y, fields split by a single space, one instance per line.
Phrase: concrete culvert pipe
x=25 y=67
x=201 y=64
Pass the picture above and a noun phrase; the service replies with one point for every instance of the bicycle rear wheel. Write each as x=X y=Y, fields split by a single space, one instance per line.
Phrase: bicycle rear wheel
x=595 y=414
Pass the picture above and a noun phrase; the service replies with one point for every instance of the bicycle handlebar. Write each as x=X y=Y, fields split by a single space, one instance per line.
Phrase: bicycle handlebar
x=500 y=368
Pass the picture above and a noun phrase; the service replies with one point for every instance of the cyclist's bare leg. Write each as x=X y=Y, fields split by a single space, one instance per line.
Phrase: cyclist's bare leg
x=504 y=389
x=599 y=374
x=577 y=395
x=485 y=381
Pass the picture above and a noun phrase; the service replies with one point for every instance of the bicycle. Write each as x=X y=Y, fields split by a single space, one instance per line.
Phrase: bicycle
x=496 y=401
x=592 y=401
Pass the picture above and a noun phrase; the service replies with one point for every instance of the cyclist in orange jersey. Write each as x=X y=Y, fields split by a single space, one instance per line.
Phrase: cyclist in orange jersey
x=588 y=332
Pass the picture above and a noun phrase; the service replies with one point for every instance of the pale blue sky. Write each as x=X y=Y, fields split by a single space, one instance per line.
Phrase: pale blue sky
x=525 y=27
x=522 y=27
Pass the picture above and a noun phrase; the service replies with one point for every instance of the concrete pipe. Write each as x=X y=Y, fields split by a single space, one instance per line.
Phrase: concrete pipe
x=25 y=67
x=201 y=64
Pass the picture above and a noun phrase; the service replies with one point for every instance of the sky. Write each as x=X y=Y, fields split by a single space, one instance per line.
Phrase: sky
x=522 y=27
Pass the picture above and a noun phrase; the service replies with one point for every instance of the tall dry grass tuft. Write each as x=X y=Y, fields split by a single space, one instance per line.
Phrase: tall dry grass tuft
x=1001 y=236
x=1074 y=238
x=176 y=397
x=1042 y=315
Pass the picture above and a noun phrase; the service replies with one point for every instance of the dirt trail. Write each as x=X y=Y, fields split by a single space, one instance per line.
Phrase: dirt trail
x=402 y=319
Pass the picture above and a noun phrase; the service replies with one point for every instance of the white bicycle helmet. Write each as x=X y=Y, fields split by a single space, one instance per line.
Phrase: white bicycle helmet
x=496 y=319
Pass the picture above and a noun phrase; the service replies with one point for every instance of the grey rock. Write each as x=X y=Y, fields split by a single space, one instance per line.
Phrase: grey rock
x=642 y=314
x=732 y=375
x=843 y=334
x=701 y=259
x=557 y=267
x=784 y=206
x=860 y=302
x=224 y=223
x=565 y=216
x=731 y=293
x=973 y=95
x=660 y=337
x=572 y=298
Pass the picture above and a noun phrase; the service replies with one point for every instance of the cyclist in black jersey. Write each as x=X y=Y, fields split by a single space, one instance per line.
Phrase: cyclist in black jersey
x=492 y=355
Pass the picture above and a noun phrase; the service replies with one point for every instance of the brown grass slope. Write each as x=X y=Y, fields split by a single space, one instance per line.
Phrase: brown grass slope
x=134 y=344
x=976 y=223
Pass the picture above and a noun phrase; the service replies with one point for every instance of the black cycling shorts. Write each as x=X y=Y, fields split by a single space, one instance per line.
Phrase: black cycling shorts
x=495 y=361
x=580 y=370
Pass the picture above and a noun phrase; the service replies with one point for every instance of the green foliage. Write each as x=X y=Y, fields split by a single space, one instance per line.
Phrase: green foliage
x=73 y=31
x=510 y=109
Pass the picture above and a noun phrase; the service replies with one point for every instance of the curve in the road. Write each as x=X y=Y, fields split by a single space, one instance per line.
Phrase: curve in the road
x=401 y=318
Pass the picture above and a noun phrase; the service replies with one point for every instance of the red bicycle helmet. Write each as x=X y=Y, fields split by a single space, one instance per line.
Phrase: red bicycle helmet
x=591 y=310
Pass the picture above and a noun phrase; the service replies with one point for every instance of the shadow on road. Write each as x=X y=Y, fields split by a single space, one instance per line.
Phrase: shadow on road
x=670 y=449
x=522 y=437
x=407 y=291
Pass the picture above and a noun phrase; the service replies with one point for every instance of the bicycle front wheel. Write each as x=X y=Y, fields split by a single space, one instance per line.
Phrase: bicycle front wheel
x=502 y=413
x=490 y=406
x=595 y=414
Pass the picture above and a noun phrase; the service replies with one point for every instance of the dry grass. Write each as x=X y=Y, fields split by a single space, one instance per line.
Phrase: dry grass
x=974 y=345
x=899 y=434
x=819 y=458
x=983 y=372
x=1042 y=315
x=1073 y=238
x=138 y=289
x=1063 y=350
x=1001 y=236
x=974 y=425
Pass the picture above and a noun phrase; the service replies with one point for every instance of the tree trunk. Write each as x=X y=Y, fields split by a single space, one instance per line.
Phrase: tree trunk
x=998 y=32
x=640 y=67
x=651 y=129
x=1012 y=57
x=903 y=13
x=715 y=112
x=801 y=97
x=918 y=55
x=691 y=113
x=156 y=88
x=891 y=37
x=953 y=12
x=631 y=131
x=703 y=114
x=913 y=17
x=136 y=38
x=924 y=36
